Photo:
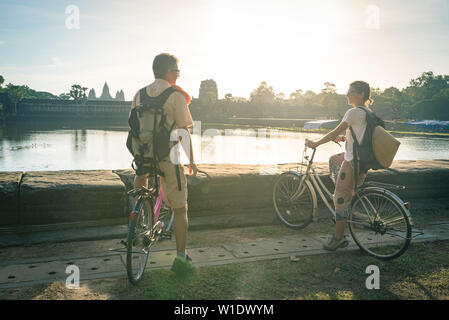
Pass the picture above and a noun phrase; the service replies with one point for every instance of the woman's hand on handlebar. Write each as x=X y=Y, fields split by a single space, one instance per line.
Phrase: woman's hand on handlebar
x=340 y=139
x=311 y=144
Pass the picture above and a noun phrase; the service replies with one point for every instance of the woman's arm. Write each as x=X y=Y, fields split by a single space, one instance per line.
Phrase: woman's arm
x=331 y=136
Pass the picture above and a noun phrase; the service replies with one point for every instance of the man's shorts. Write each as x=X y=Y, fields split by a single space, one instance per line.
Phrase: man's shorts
x=171 y=195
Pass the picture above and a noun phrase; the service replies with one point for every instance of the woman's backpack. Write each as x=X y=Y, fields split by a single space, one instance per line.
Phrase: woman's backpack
x=378 y=147
x=149 y=138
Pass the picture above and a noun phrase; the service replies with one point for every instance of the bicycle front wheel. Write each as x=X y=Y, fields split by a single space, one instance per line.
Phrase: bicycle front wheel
x=379 y=224
x=293 y=206
x=139 y=233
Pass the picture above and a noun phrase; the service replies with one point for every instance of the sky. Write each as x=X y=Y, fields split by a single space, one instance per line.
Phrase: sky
x=290 y=44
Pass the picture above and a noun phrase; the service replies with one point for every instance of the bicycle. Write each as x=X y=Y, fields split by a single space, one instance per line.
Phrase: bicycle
x=379 y=221
x=150 y=222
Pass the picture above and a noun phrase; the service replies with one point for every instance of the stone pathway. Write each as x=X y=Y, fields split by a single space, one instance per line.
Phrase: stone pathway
x=107 y=264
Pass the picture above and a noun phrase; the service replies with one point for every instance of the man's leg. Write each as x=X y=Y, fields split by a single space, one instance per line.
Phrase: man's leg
x=181 y=224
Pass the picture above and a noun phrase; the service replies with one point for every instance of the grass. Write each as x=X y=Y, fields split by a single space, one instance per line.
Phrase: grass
x=421 y=273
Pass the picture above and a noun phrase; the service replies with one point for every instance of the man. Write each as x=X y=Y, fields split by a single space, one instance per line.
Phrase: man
x=165 y=69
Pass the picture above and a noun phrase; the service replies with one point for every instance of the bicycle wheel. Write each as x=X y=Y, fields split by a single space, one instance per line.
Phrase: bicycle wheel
x=137 y=241
x=296 y=212
x=379 y=224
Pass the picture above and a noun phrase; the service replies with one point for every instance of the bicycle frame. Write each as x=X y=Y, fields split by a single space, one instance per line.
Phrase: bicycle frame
x=317 y=184
x=157 y=209
x=325 y=195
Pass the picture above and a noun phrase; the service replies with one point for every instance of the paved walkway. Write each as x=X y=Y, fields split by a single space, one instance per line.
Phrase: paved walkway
x=103 y=263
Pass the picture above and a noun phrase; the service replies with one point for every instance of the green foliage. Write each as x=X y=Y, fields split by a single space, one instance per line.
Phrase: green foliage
x=77 y=92
x=426 y=97
x=264 y=94
x=329 y=88
x=64 y=96
x=16 y=93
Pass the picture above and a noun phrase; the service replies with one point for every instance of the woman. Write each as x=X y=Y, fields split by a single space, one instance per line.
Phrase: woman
x=341 y=165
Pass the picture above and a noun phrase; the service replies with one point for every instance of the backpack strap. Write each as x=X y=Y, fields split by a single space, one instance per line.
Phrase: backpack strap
x=371 y=113
x=355 y=156
x=155 y=102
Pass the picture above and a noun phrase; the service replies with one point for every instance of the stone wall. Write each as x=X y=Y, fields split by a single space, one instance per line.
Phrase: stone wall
x=82 y=108
x=9 y=197
x=234 y=191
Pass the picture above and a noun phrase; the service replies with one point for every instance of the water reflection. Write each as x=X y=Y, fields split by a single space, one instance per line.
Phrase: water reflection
x=30 y=149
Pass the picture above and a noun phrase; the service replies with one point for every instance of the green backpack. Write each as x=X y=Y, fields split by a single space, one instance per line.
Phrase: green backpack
x=148 y=138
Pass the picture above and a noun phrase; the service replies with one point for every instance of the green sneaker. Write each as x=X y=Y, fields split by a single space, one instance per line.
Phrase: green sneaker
x=182 y=266
x=335 y=244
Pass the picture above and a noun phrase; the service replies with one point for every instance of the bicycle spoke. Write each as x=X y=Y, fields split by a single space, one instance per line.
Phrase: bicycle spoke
x=397 y=235
x=293 y=204
x=390 y=229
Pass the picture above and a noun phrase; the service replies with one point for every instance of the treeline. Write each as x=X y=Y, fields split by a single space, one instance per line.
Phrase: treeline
x=426 y=97
x=11 y=95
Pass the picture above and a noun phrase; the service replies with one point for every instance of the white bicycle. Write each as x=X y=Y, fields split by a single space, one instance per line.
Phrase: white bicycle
x=379 y=221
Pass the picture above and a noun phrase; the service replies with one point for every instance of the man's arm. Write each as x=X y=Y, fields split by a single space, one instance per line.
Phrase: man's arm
x=193 y=169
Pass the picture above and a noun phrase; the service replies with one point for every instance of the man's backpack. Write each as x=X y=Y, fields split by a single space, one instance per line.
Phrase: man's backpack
x=149 y=138
x=378 y=147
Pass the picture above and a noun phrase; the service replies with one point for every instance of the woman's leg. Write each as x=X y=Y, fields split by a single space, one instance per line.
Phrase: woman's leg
x=343 y=196
x=335 y=162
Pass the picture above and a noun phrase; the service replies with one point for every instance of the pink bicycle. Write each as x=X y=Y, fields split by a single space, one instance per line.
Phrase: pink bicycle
x=149 y=223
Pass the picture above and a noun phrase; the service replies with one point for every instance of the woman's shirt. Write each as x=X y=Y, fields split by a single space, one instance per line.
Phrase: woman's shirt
x=355 y=118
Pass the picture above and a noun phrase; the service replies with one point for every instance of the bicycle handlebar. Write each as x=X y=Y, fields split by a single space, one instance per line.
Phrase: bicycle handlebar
x=203 y=172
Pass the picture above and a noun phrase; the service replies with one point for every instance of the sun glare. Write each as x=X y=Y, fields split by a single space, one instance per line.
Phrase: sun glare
x=287 y=44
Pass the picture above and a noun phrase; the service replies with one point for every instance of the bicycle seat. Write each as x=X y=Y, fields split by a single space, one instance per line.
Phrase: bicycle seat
x=140 y=191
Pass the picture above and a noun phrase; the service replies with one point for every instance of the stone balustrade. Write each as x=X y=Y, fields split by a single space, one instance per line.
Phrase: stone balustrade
x=47 y=197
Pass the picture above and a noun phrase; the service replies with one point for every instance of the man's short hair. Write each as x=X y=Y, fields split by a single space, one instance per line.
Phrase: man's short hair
x=162 y=63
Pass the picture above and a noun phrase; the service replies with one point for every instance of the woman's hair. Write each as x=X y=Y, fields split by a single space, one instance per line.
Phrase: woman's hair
x=363 y=87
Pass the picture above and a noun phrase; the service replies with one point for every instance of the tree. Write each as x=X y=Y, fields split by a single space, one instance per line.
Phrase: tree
x=77 y=92
x=15 y=94
x=280 y=97
x=392 y=92
x=1 y=83
x=329 y=88
x=64 y=96
x=228 y=97
x=208 y=92
x=295 y=95
x=264 y=94
x=426 y=86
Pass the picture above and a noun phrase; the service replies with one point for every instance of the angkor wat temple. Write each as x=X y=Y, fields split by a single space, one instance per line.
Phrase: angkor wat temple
x=105 y=95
